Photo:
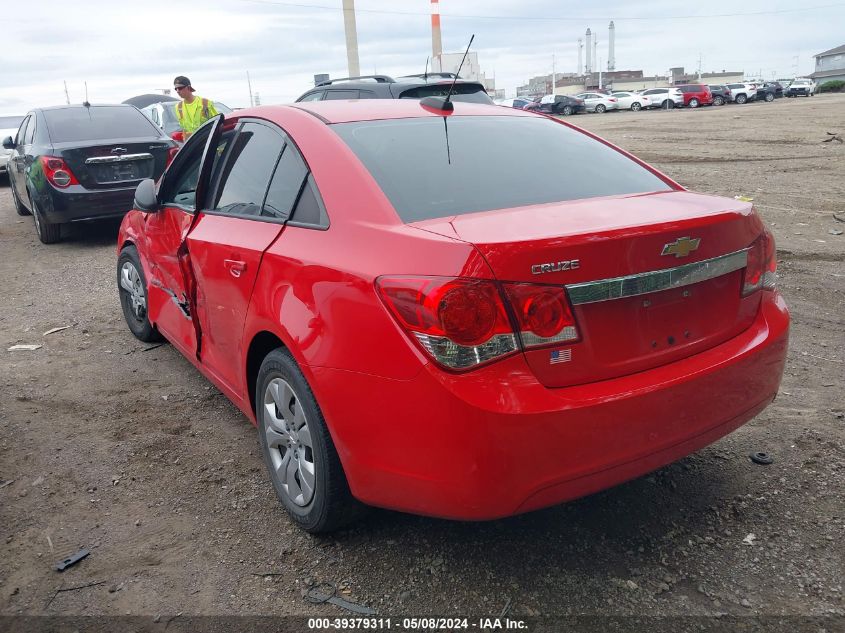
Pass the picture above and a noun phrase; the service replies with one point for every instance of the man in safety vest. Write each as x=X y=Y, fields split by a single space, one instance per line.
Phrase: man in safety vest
x=192 y=111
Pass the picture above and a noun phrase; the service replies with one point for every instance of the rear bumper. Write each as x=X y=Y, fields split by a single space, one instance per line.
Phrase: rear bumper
x=76 y=204
x=494 y=442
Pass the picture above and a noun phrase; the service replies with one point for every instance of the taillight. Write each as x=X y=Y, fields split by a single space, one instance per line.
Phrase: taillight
x=612 y=100
x=761 y=269
x=57 y=172
x=171 y=154
x=460 y=323
x=542 y=313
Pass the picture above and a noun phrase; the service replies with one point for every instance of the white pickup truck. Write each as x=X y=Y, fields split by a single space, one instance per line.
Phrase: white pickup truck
x=801 y=86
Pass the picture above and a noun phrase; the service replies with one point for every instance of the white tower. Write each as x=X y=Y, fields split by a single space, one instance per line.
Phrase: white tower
x=580 y=55
x=351 y=38
x=611 y=47
x=588 y=67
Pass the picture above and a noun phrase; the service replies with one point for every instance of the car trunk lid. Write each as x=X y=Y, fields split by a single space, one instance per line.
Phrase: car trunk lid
x=110 y=164
x=652 y=278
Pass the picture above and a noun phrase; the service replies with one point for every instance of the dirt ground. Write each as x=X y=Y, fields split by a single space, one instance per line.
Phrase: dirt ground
x=128 y=451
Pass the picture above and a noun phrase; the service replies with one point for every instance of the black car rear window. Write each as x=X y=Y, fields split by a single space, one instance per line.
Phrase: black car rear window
x=438 y=167
x=67 y=125
x=472 y=93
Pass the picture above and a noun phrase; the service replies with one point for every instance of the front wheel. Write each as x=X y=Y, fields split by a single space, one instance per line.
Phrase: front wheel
x=694 y=103
x=298 y=451
x=600 y=108
x=567 y=110
x=133 y=295
x=717 y=101
x=740 y=99
x=769 y=97
x=636 y=106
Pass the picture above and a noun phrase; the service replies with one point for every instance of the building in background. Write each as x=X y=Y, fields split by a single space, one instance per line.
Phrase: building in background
x=725 y=77
x=471 y=70
x=830 y=66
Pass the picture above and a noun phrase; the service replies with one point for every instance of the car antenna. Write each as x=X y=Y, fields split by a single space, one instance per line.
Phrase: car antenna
x=439 y=104
x=425 y=74
x=457 y=74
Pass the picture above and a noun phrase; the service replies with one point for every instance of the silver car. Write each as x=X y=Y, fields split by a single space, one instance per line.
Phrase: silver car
x=597 y=102
x=8 y=127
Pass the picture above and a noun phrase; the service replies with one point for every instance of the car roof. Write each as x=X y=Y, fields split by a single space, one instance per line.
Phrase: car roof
x=77 y=106
x=346 y=111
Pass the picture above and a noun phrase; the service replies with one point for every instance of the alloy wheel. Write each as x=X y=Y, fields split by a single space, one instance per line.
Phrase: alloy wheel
x=289 y=442
x=130 y=281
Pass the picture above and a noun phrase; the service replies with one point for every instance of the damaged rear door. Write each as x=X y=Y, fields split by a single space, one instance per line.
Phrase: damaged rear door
x=181 y=192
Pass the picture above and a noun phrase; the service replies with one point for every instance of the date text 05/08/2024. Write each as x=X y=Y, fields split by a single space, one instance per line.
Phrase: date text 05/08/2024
x=416 y=624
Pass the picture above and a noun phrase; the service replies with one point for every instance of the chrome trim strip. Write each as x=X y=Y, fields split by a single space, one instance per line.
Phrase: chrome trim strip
x=117 y=159
x=655 y=281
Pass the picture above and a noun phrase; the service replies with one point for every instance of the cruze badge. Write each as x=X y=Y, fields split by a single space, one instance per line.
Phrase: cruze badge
x=555 y=267
x=681 y=247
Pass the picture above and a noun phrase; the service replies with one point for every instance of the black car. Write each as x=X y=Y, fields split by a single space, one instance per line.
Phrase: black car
x=559 y=104
x=769 y=91
x=409 y=87
x=82 y=162
x=721 y=94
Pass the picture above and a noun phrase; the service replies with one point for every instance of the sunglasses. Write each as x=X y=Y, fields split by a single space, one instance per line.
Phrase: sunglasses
x=180 y=87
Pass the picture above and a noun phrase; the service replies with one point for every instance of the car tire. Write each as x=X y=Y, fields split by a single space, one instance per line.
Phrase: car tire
x=694 y=103
x=132 y=287
x=294 y=455
x=600 y=108
x=636 y=106
x=19 y=208
x=567 y=110
x=48 y=232
x=769 y=97
x=717 y=101
x=668 y=104
x=740 y=99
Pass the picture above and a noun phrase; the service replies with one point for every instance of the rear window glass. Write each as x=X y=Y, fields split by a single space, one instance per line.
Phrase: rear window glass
x=472 y=93
x=437 y=167
x=98 y=123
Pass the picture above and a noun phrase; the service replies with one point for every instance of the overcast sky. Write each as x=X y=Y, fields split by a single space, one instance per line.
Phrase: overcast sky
x=123 y=49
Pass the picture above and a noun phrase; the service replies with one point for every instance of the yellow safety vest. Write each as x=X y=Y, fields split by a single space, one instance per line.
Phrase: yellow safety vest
x=188 y=119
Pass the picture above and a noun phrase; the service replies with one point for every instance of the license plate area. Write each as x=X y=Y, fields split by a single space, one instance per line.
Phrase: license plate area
x=122 y=171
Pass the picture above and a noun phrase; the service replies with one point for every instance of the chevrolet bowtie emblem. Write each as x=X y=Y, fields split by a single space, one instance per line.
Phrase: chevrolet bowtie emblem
x=681 y=247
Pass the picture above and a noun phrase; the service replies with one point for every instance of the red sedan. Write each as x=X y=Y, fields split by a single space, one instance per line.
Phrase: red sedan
x=417 y=319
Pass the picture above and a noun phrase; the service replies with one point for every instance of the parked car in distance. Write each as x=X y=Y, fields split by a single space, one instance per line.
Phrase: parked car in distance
x=82 y=162
x=307 y=257
x=409 y=87
x=632 y=101
x=768 y=91
x=666 y=98
x=696 y=95
x=519 y=102
x=164 y=116
x=598 y=102
x=8 y=127
x=721 y=94
x=801 y=86
x=562 y=105
x=742 y=93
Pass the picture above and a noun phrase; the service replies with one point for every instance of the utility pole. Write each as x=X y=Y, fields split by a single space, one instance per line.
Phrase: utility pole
x=553 y=73
x=351 y=38
x=67 y=96
x=249 y=85
x=699 y=66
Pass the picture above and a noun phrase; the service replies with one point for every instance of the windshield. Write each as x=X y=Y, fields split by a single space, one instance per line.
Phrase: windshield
x=463 y=164
x=79 y=123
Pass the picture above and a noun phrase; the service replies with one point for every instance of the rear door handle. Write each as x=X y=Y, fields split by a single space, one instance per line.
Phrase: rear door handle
x=236 y=267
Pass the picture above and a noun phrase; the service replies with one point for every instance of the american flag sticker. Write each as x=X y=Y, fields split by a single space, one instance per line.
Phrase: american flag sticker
x=560 y=356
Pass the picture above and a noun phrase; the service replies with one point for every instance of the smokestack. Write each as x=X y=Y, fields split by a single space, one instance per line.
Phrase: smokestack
x=580 y=55
x=611 y=47
x=596 y=51
x=351 y=38
x=436 y=43
x=588 y=68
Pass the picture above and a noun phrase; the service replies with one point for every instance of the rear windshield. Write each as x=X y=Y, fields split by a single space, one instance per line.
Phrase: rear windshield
x=472 y=93
x=68 y=125
x=438 y=167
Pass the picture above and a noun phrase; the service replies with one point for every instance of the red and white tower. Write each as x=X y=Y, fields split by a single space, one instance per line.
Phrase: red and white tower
x=436 y=42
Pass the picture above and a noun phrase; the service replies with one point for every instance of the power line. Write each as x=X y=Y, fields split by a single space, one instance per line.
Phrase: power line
x=551 y=17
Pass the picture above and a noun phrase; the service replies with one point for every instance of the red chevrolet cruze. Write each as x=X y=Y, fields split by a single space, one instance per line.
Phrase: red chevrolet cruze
x=416 y=318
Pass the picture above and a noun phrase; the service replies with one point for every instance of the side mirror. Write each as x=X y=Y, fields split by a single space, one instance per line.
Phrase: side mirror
x=145 y=196
x=178 y=136
x=8 y=143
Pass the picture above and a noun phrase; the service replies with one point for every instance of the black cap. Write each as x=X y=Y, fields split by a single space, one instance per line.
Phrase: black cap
x=181 y=81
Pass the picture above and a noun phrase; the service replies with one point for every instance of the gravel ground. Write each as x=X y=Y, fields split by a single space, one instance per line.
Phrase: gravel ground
x=128 y=451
